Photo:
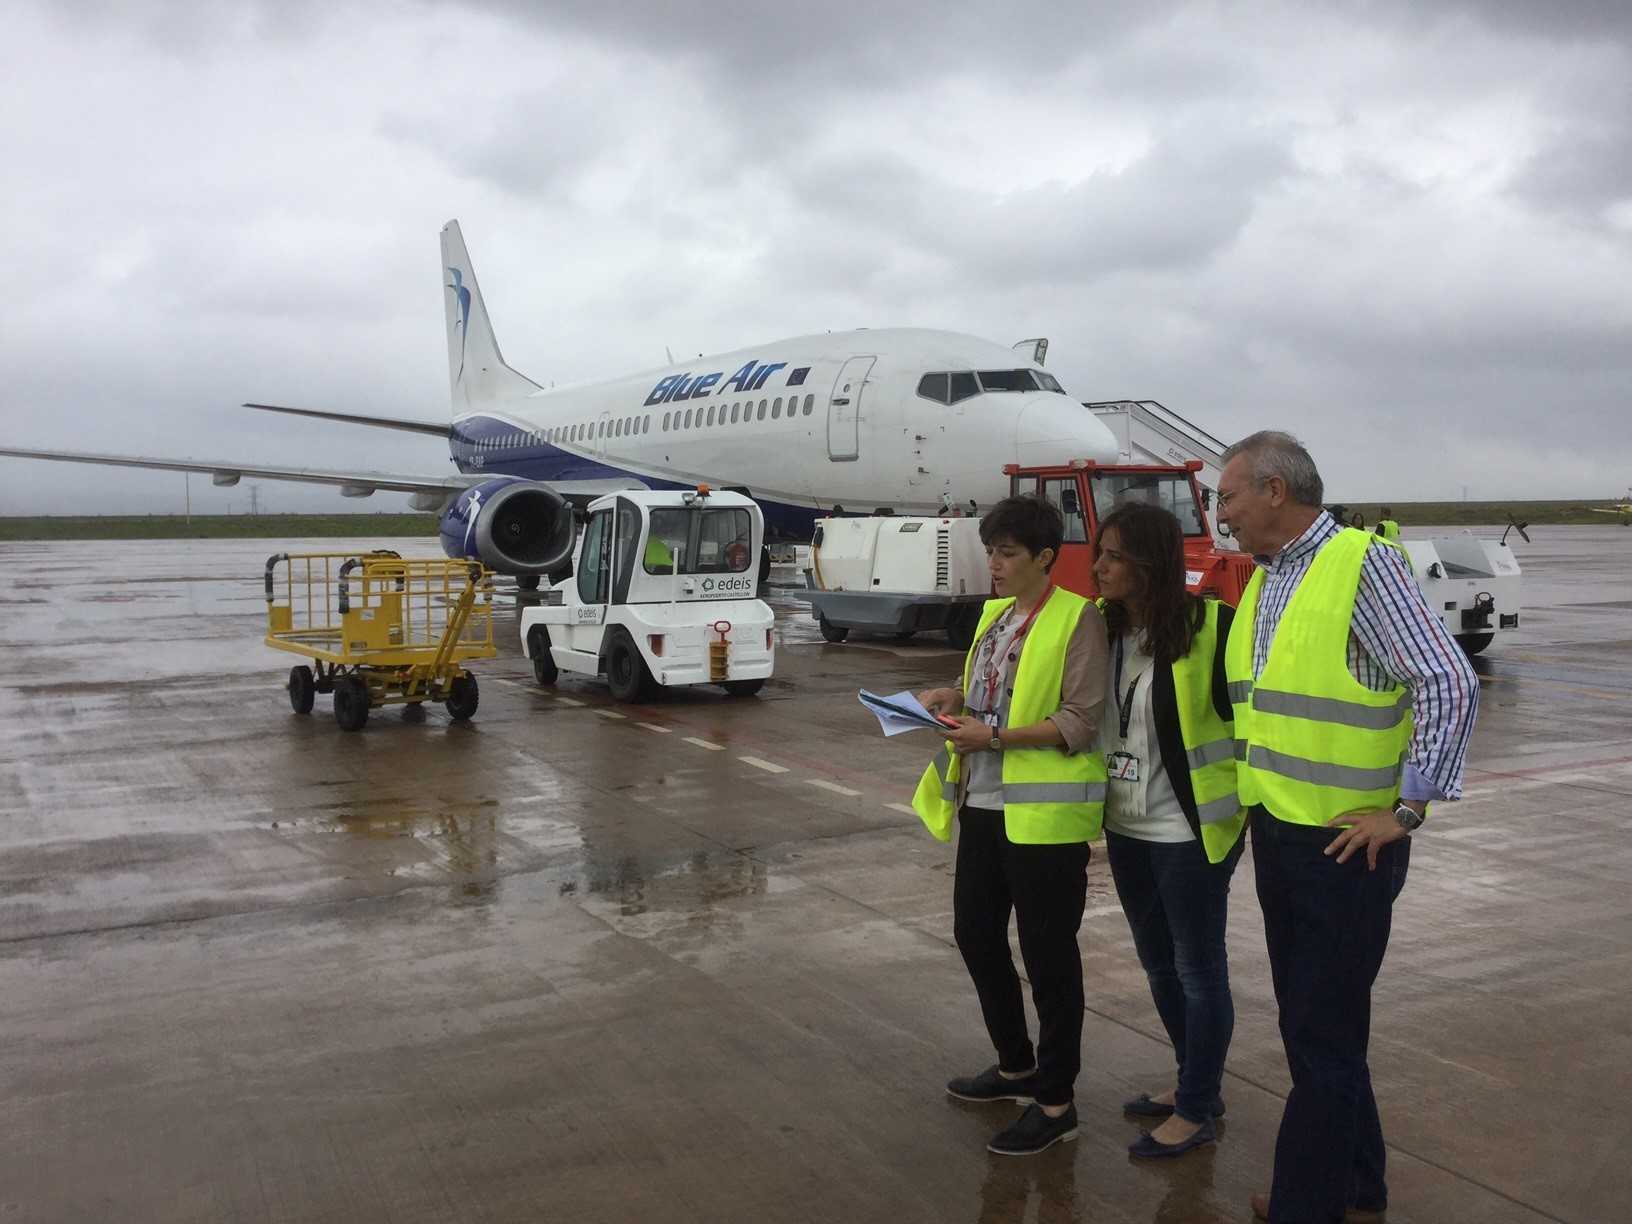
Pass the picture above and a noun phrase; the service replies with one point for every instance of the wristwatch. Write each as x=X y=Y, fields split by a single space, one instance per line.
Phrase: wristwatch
x=1408 y=817
x=996 y=744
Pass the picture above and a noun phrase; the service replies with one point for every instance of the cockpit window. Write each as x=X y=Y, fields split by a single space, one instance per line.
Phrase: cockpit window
x=933 y=386
x=1007 y=380
x=961 y=385
x=1050 y=383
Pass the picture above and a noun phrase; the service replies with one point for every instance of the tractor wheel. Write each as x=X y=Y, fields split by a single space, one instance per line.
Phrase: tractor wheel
x=830 y=631
x=626 y=672
x=302 y=688
x=538 y=646
x=463 y=697
x=526 y=582
x=350 y=703
x=960 y=627
x=743 y=688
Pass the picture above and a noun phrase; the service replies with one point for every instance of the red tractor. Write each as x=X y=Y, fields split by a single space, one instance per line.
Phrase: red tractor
x=1086 y=491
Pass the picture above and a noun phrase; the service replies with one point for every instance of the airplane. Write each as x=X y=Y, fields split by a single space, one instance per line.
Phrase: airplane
x=899 y=418
x=1623 y=508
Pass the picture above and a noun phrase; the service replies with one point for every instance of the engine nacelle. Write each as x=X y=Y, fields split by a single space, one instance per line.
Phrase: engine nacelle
x=510 y=525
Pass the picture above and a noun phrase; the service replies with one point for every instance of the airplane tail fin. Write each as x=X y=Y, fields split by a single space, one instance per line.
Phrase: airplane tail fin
x=476 y=369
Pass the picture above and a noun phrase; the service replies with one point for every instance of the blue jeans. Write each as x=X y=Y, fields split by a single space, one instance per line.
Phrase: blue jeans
x=1327 y=927
x=1176 y=903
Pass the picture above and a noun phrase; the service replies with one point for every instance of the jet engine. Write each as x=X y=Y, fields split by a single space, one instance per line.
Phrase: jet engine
x=510 y=525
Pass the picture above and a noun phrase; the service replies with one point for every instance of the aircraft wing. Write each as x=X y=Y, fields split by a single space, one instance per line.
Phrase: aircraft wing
x=411 y=426
x=1602 y=510
x=351 y=484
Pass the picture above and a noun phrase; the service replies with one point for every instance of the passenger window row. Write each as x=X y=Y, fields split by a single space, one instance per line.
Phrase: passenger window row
x=630 y=426
x=739 y=410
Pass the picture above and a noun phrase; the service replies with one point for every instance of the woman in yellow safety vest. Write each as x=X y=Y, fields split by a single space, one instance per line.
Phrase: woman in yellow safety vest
x=1172 y=820
x=1019 y=776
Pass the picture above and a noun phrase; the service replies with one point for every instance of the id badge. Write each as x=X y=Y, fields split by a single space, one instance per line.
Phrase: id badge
x=1123 y=766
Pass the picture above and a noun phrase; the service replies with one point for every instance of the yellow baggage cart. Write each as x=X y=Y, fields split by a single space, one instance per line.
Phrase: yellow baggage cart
x=379 y=629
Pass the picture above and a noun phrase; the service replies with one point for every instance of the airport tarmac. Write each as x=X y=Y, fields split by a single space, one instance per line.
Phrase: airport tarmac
x=692 y=961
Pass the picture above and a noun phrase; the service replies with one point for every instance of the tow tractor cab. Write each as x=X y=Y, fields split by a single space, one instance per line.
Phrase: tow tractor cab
x=1085 y=492
x=664 y=592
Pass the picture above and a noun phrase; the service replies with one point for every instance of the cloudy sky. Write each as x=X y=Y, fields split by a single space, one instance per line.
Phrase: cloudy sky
x=1402 y=231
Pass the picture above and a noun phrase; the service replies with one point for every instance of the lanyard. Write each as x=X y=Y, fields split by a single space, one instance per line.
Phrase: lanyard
x=1124 y=705
x=993 y=672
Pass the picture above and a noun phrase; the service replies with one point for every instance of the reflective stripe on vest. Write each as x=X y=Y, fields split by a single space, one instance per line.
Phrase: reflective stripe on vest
x=1209 y=742
x=1312 y=742
x=1049 y=796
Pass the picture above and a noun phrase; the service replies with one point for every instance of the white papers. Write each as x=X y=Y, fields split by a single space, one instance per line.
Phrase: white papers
x=900 y=712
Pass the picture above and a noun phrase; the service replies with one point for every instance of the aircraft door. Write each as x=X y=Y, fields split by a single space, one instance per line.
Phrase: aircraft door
x=603 y=427
x=844 y=410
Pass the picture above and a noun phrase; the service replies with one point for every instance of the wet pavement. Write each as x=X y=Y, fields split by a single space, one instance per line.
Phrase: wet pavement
x=692 y=961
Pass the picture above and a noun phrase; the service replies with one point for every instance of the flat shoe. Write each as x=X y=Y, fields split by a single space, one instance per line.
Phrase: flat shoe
x=1152 y=1148
x=1142 y=1106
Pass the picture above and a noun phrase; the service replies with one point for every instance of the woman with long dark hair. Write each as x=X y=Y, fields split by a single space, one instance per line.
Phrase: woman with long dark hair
x=1172 y=822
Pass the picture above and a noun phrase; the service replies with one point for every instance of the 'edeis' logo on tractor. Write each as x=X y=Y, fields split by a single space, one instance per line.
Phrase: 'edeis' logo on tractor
x=730 y=585
x=751 y=377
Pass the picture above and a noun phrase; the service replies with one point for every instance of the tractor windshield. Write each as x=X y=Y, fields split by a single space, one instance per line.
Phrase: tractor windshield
x=699 y=541
x=1170 y=491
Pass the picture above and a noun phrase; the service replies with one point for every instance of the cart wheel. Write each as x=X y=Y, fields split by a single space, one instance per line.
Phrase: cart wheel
x=1473 y=643
x=626 y=673
x=302 y=687
x=538 y=646
x=743 y=688
x=350 y=703
x=904 y=635
x=463 y=697
x=830 y=631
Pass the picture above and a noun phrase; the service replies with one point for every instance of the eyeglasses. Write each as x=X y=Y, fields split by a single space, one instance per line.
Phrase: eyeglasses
x=1223 y=500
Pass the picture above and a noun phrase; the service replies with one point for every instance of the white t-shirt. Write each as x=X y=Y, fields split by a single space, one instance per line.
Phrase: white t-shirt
x=1147 y=808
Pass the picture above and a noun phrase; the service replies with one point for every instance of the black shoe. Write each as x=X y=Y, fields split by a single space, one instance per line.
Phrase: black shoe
x=1147 y=1146
x=992 y=1085
x=1142 y=1106
x=1034 y=1131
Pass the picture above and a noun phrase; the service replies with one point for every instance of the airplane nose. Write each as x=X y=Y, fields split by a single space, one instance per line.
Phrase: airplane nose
x=1055 y=429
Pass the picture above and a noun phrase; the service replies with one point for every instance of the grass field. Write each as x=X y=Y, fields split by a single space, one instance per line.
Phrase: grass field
x=305 y=526
x=215 y=527
x=1484 y=514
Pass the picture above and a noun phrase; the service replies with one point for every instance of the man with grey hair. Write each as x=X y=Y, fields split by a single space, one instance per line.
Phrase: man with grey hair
x=1353 y=708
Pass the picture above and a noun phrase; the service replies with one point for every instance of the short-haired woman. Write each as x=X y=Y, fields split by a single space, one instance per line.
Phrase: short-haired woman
x=1021 y=777
x=1172 y=822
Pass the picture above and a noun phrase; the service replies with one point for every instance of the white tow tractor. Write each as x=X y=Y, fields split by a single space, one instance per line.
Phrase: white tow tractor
x=663 y=592
x=1472 y=583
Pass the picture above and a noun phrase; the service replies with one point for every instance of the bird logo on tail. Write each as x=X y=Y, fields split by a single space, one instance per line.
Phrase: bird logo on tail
x=457 y=284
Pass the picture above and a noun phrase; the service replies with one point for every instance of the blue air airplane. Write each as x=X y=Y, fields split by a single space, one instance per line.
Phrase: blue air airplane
x=900 y=418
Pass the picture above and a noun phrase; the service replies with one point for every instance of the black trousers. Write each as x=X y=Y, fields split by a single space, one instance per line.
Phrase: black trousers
x=1046 y=888
x=1327 y=927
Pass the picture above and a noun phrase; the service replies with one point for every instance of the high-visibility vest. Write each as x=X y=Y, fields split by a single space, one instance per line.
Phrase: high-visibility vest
x=1388 y=529
x=1311 y=741
x=1209 y=742
x=659 y=556
x=1050 y=797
